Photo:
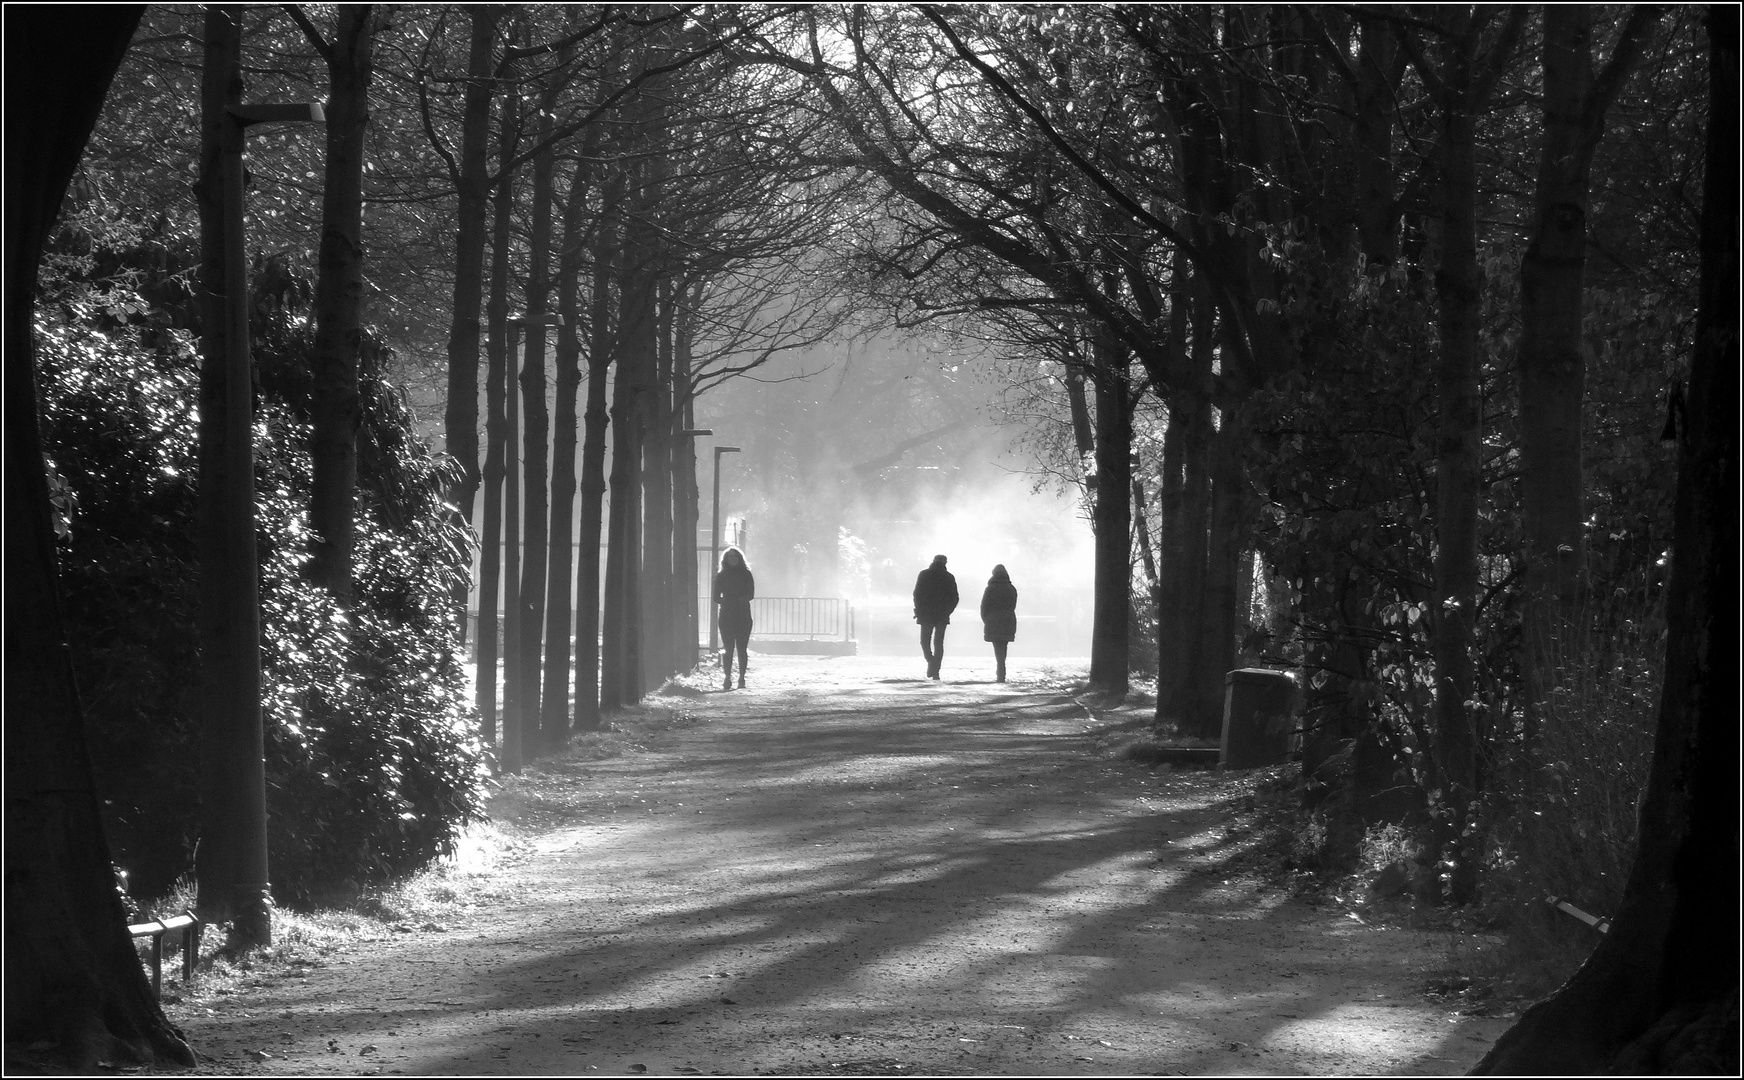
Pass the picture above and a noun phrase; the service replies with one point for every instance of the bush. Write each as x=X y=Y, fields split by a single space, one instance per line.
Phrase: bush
x=373 y=766
x=1571 y=827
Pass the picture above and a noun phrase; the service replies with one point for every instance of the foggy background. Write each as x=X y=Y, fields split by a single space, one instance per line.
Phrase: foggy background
x=862 y=458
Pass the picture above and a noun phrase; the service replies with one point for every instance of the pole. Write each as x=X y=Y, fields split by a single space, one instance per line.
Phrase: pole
x=238 y=565
x=250 y=892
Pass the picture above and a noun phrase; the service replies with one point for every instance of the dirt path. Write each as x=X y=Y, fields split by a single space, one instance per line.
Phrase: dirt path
x=847 y=870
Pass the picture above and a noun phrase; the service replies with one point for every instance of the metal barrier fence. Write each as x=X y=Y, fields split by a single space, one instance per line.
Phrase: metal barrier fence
x=802 y=617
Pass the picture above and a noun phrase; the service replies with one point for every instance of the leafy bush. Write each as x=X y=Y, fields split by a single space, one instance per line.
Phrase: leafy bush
x=1571 y=832
x=372 y=762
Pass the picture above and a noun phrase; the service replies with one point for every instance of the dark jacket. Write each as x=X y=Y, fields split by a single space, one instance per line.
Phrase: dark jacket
x=999 y=610
x=935 y=595
x=734 y=590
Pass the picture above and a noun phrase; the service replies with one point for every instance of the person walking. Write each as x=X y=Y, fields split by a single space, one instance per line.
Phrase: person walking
x=935 y=597
x=999 y=616
x=735 y=588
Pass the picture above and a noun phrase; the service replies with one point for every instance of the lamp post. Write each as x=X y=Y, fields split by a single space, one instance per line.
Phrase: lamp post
x=715 y=544
x=235 y=741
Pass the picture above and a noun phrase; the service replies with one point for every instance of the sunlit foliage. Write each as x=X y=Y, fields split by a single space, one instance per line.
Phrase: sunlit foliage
x=372 y=767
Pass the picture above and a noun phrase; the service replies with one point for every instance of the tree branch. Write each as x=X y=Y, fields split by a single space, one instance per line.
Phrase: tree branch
x=295 y=11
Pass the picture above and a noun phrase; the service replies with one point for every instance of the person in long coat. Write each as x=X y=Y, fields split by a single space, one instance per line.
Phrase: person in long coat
x=999 y=615
x=935 y=597
x=735 y=588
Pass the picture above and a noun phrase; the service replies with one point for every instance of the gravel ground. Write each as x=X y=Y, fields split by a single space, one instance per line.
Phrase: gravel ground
x=850 y=870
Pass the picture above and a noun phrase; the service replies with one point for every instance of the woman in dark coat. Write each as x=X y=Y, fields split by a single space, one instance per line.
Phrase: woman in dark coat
x=734 y=590
x=999 y=615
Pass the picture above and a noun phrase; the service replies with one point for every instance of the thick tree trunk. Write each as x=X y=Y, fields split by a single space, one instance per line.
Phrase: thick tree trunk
x=1226 y=540
x=1459 y=433
x=593 y=478
x=616 y=687
x=73 y=980
x=1552 y=363
x=1376 y=103
x=1112 y=521
x=499 y=439
x=1082 y=434
x=685 y=587
x=1552 y=357
x=1172 y=573
x=517 y=721
x=637 y=357
x=1184 y=560
x=336 y=409
x=460 y=421
x=657 y=491
x=535 y=433
x=554 y=717
x=1660 y=992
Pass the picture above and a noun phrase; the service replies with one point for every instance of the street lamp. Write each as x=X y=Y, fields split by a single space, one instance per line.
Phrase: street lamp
x=235 y=741
x=715 y=545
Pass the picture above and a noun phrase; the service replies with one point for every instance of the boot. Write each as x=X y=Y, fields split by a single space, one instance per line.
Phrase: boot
x=726 y=675
x=741 y=680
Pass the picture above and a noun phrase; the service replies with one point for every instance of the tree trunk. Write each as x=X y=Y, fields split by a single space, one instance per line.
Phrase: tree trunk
x=460 y=420
x=593 y=478
x=1458 y=285
x=1660 y=992
x=499 y=438
x=1552 y=357
x=616 y=687
x=1184 y=558
x=73 y=979
x=336 y=410
x=1082 y=435
x=1224 y=545
x=536 y=432
x=1112 y=521
x=554 y=717
x=657 y=491
x=515 y=718
x=1171 y=490
x=685 y=587
x=1376 y=103
x=637 y=356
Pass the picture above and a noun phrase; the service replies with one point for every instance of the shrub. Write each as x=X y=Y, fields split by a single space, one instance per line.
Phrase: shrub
x=1571 y=827
x=373 y=767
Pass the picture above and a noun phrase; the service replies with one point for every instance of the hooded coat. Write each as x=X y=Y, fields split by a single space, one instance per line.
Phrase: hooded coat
x=999 y=608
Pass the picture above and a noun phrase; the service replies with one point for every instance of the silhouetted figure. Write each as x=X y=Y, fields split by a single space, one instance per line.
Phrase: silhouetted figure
x=935 y=597
x=734 y=590
x=999 y=615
